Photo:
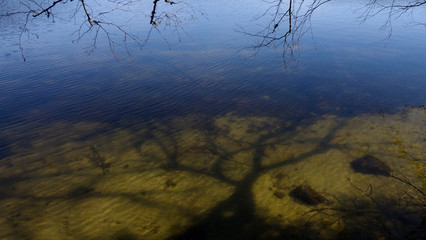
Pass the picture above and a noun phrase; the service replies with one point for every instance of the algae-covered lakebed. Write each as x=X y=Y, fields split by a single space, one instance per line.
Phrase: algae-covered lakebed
x=212 y=120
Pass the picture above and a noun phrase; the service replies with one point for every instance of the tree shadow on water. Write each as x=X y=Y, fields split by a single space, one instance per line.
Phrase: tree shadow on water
x=235 y=217
x=195 y=183
x=393 y=217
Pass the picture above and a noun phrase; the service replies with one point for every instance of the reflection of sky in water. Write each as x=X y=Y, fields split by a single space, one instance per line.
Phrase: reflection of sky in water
x=344 y=65
x=343 y=56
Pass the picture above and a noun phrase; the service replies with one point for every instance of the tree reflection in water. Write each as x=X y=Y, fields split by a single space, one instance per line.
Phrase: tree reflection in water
x=393 y=10
x=287 y=21
x=290 y=21
x=95 y=19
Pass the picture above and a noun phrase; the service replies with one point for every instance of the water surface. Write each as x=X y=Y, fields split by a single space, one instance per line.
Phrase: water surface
x=196 y=131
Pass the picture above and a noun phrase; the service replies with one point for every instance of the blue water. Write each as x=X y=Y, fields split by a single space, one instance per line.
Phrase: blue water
x=342 y=62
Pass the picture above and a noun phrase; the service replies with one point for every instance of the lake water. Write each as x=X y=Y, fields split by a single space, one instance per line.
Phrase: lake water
x=209 y=124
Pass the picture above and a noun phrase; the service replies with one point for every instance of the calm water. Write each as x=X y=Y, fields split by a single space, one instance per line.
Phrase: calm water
x=210 y=124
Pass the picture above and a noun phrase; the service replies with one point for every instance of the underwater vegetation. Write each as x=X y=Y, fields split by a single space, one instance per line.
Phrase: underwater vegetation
x=234 y=177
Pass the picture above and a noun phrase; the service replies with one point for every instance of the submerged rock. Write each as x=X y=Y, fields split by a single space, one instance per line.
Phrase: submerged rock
x=279 y=194
x=371 y=165
x=304 y=193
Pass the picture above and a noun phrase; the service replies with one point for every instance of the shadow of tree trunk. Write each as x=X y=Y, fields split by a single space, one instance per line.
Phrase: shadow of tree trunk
x=236 y=218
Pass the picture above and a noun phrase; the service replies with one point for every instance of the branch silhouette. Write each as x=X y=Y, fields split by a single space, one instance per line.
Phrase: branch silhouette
x=393 y=10
x=290 y=21
x=97 y=19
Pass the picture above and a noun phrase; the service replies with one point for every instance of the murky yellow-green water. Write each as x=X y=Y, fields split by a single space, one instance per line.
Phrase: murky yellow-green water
x=168 y=179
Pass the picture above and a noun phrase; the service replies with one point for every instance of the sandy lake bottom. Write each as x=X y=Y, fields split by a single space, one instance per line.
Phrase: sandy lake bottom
x=232 y=179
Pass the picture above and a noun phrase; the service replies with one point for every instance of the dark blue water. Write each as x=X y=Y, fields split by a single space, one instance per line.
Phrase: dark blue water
x=341 y=62
x=203 y=59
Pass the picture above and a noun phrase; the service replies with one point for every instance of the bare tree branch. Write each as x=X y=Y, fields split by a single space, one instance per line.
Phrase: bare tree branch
x=98 y=20
x=288 y=24
x=394 y=9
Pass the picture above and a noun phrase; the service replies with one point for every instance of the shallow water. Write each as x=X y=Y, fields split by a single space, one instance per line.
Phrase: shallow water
x=198 y=136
